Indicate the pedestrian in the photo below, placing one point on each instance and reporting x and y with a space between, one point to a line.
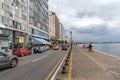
90 47
35 49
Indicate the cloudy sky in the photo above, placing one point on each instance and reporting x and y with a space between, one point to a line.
89 20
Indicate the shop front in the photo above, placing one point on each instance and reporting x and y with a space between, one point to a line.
11 39
4 40
20 39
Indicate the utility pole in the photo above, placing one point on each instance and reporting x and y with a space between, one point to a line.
71 37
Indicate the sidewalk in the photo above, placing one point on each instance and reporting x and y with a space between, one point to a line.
91 66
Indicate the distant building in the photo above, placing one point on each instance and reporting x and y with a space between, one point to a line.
62 32
54 25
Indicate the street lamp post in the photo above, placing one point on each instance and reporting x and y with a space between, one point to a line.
71 37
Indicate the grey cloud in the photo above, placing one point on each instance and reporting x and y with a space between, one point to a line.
99 33
110 11
104 11
86 13
94 30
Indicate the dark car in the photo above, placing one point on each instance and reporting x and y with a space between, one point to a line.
64 47
7 60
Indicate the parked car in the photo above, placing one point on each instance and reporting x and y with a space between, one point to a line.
21 52
47 47
64 47
41 49
85 46
7 60
55 47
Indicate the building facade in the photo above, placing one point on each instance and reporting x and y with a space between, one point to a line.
38 19
22 19
54 26
13 20
62 32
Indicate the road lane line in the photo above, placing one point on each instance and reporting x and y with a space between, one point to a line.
53 70
70 68
52 78
39 58
95 61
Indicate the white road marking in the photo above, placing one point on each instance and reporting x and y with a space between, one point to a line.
39 58
55 73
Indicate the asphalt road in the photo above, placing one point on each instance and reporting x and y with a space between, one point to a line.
33 67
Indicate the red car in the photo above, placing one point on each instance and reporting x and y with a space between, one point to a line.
64 47
21 52
85 46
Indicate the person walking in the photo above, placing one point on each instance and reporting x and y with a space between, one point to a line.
90 47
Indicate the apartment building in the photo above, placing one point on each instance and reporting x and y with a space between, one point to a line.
54 26
38 19
13 22
22 19
62 32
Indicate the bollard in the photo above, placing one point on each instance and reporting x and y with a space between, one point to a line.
64 70
68 54
68 57
66 63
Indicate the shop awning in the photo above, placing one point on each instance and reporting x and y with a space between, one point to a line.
36 41
46 42
40 41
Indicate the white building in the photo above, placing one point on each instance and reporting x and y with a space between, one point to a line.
38 19
21 19
13 20
62 32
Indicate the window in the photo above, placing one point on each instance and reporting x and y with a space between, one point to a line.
18 25
17 13
35 32
17 3
30 30
5 7
23 1
11 12
7 1
24 17
5 20
11 22
14 24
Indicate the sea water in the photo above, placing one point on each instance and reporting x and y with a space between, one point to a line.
110 48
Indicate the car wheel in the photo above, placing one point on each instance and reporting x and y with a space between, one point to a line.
22 54
13 63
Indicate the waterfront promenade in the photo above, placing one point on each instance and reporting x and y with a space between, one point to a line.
94 65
